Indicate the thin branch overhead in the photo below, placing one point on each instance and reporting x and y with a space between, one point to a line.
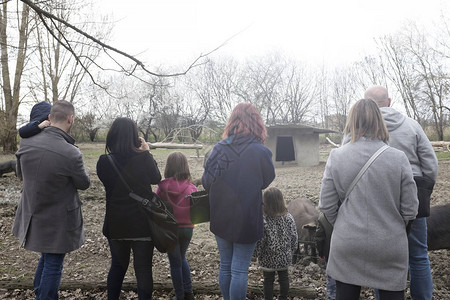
137 63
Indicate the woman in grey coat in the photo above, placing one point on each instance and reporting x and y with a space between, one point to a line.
369 245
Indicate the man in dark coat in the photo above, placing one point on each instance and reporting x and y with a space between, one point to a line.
48 217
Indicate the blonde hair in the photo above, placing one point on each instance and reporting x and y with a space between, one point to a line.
365 120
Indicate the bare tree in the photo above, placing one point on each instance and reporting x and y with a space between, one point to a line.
370 71
155 97
343 94
11 88
419 70
61 75
432 76
400 69
117 56
217 83
323 96
198 99
261 83
299 91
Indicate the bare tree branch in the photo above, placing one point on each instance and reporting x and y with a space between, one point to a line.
42 13
65 45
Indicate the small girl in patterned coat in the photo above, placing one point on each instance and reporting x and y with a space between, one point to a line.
274 250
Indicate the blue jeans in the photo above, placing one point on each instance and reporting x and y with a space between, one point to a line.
233 271
421 282
331 288
120 258
48 276
179 266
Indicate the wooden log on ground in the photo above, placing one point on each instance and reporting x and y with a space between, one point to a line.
331 142
442 144
174 146
206 288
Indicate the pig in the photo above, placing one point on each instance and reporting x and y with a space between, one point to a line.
438 224
7 167
305 216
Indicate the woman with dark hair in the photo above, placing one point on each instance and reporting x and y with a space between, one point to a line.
369 245
125 224
237 170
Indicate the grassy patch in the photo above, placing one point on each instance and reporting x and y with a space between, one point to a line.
443 155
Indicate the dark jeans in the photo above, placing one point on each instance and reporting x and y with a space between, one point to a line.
48 276
179 266
120 258
283 280
345 291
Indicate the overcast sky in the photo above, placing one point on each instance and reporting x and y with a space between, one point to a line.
329 31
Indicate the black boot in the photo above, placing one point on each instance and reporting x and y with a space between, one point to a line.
189 296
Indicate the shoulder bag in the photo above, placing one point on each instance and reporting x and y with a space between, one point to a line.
327 228
163 226
199 207
425 187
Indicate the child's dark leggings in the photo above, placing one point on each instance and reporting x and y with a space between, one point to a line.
283 280
345 291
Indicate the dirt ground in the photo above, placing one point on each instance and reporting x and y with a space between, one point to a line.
89 265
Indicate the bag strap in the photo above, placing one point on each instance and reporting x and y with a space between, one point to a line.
113 163
364 168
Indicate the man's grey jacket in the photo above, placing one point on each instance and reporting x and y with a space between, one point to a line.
48 217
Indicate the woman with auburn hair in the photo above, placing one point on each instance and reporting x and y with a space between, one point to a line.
369 245
126 226
237 170
245 120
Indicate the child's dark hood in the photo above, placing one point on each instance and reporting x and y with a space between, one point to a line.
40 112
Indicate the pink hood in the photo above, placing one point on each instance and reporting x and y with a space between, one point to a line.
175 191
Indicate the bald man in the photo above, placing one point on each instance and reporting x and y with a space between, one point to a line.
408 136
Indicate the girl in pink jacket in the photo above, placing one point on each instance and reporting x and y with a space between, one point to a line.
174 188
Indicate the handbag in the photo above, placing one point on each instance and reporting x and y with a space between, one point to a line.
163 226
199 207
425 187
323 221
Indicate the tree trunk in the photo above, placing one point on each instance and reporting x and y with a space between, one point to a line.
166 287
174 146
12 94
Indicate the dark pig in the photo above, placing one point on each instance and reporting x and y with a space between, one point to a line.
305 216
7 167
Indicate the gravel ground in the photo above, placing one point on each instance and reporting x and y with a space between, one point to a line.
90 263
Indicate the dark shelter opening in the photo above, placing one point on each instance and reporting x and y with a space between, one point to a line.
285 149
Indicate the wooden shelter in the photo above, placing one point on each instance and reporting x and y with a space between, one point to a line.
294 144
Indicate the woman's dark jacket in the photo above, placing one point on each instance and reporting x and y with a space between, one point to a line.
124 218
236 172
